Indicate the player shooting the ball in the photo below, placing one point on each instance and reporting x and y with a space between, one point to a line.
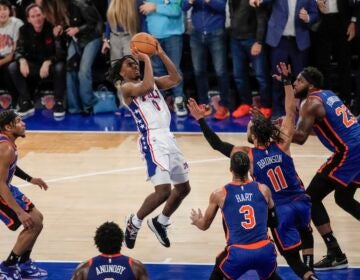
165 163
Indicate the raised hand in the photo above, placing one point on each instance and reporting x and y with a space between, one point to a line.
138 55
284 71
159 49
197 111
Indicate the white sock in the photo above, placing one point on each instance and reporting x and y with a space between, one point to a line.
136 221
162 219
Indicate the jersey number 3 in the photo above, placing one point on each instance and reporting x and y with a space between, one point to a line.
277 178
249 215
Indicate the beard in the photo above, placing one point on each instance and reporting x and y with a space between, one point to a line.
301 94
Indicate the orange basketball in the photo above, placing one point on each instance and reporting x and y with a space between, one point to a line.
144 42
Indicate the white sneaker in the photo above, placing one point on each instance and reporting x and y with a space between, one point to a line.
179 106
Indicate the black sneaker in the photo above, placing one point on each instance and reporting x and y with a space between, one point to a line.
130 233
59 110
26 108
159 230
330 262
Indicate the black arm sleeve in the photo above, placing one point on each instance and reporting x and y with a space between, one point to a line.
215 142
22 175
272 218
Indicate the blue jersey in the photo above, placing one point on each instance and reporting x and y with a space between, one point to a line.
276 169
339 129
12 166
115 267
245 213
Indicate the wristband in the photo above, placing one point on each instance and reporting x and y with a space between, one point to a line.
286 81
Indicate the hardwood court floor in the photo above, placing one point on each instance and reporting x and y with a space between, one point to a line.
98 177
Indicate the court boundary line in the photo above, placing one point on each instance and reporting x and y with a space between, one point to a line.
120 132
136 168
161 263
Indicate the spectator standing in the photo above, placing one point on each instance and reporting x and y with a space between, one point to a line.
39 54
332 40
288 36
123 21
248 29
165 21
208 34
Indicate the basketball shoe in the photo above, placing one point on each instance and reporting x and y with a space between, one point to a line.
130 233
160 231
9 272
30 270
330 262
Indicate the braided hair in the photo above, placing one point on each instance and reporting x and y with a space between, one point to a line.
108 238
115 76
265 131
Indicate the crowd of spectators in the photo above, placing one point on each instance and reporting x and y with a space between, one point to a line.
54 44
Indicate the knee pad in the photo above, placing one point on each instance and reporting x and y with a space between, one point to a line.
307 238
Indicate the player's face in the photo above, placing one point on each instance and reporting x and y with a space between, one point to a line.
130 69
301 87
19 128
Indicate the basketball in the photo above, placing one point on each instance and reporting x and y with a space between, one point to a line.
144 42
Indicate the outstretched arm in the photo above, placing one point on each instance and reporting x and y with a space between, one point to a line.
201 221
213 139
173 78
36 181
288 124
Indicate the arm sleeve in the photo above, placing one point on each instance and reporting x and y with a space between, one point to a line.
215 142
22 175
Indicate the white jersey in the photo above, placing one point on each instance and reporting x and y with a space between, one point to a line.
150 111
156 143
